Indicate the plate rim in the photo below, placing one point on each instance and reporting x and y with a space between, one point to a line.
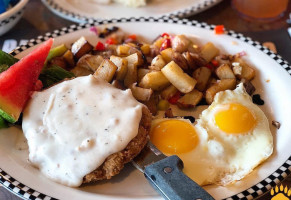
75 17
256 190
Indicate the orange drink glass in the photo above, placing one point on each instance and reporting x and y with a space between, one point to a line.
264 10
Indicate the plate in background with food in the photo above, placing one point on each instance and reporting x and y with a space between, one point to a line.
271 80
82 11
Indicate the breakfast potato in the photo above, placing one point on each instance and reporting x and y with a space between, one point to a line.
180 60
157 63
121 64
91 62
180 43
145 49
81 71
69 57
141 73
169 92
182 81
141 94
209 51
131 74
106 70
245 71
224 72
122 50
202 75
154 80
158 42
190 99
81 47
221 85
190 60
167 54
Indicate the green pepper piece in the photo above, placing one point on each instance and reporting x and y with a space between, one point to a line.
57 51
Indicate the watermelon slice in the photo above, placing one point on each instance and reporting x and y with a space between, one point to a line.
17 82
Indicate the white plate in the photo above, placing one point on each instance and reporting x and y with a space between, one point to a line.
83 10
131 184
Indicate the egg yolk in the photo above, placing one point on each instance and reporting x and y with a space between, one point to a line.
174 136
236 118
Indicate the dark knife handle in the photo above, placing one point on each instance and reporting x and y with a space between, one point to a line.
166 176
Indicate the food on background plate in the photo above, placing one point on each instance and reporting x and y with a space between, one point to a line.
172 72
129 3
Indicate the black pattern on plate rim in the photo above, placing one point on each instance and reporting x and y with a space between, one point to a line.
55 8
260 188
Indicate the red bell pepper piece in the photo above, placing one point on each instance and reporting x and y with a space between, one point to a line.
219 29
165 35
166 44
175 98
111 41
100 46
132 37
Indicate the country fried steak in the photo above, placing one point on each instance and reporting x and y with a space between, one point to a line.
115 162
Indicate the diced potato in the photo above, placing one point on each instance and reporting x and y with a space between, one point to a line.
81 47
121 64
221 85
145 48
224 72
180 43
190 60
158 43
154 80
190 99
167 54
81 71
180 60
106 70
141 94
247 72
131 74
182 81
202 75
157 63
169 92
209 51
90 62
122 50
69 57
141 73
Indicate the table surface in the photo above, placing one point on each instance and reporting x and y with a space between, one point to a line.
38 20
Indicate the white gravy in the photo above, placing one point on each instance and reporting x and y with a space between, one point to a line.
74 126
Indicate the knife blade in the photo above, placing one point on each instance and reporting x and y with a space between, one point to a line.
166 176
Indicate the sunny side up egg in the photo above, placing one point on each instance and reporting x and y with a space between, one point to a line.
231 137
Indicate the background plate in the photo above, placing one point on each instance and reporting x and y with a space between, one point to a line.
20 177
84 10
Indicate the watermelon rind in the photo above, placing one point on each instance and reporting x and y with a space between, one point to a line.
3 123
7 117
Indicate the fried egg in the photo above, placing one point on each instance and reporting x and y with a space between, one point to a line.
231 137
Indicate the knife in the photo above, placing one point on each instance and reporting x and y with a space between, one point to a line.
165 175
